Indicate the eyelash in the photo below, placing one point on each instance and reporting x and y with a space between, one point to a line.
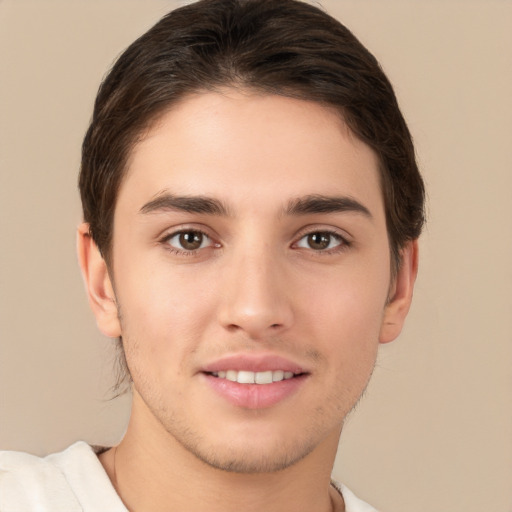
186 252
343 243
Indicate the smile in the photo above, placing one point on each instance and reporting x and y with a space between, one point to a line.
254 381
248 377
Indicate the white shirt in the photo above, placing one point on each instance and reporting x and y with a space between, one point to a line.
74 481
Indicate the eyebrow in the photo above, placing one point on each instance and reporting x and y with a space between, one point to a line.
326 204
311 204
190 204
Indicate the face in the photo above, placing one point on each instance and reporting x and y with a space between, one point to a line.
251 274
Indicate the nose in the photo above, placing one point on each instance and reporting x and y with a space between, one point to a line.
255 299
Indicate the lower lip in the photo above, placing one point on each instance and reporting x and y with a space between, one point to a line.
255 396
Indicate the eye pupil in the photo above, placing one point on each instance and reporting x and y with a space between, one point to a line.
191 240
319 241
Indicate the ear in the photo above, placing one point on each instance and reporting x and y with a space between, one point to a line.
400 296
97 283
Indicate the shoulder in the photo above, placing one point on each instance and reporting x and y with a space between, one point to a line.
352 502
59 482
27 481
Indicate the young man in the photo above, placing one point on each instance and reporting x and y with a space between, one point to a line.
251 213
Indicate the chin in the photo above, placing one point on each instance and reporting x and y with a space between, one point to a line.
257 459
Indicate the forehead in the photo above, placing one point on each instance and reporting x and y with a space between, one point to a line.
247 148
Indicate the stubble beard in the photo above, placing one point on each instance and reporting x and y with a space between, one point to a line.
284 453
242 462
250 458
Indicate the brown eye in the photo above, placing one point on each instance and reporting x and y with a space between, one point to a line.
320 241
191 240
188 240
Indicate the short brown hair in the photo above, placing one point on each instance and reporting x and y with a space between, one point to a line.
283 47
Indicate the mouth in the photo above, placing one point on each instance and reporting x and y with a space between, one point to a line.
255 381
250 377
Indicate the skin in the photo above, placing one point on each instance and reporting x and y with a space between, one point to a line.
259 284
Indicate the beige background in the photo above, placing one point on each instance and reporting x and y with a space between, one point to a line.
435 430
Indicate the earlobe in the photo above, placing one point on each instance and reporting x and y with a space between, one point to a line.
401 294
97 283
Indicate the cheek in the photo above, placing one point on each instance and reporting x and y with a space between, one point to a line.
349 302
345 319
350 340
161 295
162 315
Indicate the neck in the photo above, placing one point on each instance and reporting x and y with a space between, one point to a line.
153 472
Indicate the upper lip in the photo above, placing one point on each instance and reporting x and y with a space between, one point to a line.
253 363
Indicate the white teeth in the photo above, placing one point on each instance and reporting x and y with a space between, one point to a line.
246 377
263 377
279 375
231 375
